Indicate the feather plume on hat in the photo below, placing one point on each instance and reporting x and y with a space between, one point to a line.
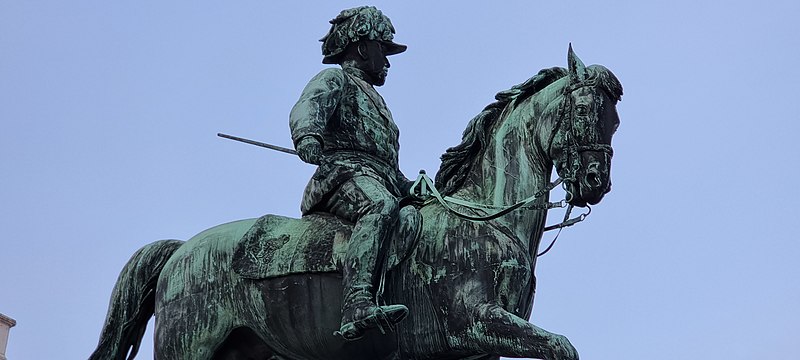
360 23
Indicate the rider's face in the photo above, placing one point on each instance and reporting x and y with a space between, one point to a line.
374 61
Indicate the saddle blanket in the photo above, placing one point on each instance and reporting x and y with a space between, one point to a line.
278 246
316 243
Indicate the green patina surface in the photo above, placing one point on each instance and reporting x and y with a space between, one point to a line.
277 288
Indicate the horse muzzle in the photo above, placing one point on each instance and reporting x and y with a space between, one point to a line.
594 185
588 186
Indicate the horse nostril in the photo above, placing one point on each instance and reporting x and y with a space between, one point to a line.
592 180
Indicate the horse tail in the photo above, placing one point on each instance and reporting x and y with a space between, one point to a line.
133 302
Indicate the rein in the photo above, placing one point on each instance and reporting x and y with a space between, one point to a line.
573 150
427 188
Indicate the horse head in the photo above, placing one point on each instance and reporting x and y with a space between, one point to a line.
580 143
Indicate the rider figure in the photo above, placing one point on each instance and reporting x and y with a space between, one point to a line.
342 124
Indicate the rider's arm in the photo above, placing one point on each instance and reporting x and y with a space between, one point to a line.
316 105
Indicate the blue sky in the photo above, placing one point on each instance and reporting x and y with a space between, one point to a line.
109 112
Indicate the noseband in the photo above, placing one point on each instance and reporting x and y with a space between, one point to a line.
572 152
425 187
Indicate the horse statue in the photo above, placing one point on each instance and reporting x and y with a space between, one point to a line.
468 283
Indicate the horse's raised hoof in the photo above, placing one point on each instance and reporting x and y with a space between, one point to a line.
370 316
563 348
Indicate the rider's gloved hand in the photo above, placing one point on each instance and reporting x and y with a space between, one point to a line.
310 150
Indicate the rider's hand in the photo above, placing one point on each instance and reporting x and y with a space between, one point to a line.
310 150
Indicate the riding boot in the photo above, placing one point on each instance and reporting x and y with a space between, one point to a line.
359 311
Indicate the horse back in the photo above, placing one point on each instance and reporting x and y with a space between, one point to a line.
202 263
277 246
295 314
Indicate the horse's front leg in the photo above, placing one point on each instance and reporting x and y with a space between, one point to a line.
499 332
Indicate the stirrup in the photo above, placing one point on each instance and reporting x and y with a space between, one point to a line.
381 317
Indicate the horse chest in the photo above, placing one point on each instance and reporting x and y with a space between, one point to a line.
474 247
474 263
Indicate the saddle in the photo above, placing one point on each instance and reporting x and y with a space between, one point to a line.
316 243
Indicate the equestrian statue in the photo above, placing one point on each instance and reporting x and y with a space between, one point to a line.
380 266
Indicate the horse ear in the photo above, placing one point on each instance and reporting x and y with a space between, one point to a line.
576 68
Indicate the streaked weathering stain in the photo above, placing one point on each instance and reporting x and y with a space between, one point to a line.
469 285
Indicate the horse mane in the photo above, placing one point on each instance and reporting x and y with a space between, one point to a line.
607 80
458 160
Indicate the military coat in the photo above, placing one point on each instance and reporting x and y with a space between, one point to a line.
359 138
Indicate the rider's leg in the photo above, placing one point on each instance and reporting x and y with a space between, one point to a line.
374 210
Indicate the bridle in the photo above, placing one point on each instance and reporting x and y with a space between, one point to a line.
572 152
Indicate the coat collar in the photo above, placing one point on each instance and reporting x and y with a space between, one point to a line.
357 76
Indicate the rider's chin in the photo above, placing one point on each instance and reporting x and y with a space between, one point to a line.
379 79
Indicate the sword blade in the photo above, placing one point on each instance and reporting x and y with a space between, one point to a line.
258 143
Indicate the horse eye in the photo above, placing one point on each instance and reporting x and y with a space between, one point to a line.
582 110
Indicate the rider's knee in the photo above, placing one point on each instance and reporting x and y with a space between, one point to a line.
386 206
409 211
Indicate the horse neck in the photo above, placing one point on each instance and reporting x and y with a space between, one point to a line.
514 166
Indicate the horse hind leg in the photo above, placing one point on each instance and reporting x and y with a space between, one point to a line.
180 336
238 344
183 345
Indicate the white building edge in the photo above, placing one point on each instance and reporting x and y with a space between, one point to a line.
6 323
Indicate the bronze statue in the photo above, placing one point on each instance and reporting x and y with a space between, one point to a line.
463 262
343 125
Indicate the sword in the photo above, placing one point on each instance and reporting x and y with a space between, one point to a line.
258 143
